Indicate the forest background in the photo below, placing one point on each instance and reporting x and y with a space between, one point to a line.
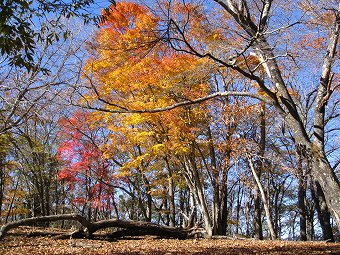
222 115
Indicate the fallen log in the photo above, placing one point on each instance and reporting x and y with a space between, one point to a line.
140 227
51 218
144 227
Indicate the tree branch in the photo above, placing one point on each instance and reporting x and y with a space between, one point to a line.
185 103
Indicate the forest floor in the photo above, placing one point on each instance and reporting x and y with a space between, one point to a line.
18 244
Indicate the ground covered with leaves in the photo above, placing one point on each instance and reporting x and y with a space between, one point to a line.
19 244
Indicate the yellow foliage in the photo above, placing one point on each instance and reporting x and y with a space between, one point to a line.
158 149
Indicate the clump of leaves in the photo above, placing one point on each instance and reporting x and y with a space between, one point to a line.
19 31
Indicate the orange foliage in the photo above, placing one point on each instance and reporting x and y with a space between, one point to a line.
131 71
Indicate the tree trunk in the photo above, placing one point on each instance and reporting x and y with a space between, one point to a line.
10 207
223 188
302 211
224 208
197 189
258 215
238 207
181 198
310 225
301 196
257 200
322 170
2 185
171 195
276 209
215 172
323 212
328 182
265 202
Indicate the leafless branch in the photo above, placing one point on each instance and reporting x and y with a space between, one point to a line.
180 104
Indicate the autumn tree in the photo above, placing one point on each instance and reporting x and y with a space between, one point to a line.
148 137
86 175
